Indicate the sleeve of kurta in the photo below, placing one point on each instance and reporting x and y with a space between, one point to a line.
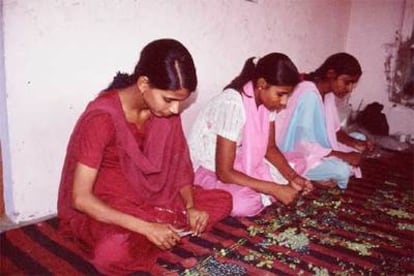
95 132
229 116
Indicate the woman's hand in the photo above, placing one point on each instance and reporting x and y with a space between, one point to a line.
162 235
301 184
362 146
198 220
284 193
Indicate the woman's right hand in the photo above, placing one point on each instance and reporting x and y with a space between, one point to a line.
284 193
163 235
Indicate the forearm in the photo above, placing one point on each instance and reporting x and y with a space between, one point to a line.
346 139
187 196
84 200
100 211
353 158
236 177
337 154
277 159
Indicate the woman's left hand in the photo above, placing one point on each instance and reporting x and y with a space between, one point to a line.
198 220
362 146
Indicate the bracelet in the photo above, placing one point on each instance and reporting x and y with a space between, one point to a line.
188 208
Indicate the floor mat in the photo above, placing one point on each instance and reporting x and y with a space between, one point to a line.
366 230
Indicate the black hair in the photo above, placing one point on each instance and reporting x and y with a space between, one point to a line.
275 68
341 63
167 64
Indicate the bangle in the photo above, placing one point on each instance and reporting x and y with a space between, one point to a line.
190 207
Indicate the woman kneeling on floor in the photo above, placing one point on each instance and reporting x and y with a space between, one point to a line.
126 192
232 142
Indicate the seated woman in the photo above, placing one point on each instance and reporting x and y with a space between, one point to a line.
232 141
309 126
126 192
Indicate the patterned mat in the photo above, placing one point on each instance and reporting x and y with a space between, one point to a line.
366 230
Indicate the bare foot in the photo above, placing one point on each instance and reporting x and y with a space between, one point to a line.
327 184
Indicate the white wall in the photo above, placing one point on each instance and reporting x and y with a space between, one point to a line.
373 24
59 54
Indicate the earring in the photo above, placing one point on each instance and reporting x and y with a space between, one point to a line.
146 80
139 90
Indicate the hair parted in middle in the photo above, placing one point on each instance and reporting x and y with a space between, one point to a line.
166 63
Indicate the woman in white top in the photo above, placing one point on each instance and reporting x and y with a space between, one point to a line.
232 142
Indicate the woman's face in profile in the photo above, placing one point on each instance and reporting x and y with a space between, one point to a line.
165 103
275 97
344 84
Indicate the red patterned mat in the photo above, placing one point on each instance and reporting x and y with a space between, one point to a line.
366 230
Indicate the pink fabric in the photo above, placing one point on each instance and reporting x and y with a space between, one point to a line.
138 173
246 202
333 125
250 159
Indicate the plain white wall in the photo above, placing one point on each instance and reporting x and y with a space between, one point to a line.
59 54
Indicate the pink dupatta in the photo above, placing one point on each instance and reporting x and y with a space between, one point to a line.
250 157
333 124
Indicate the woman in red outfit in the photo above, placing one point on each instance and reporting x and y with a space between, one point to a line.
126 192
